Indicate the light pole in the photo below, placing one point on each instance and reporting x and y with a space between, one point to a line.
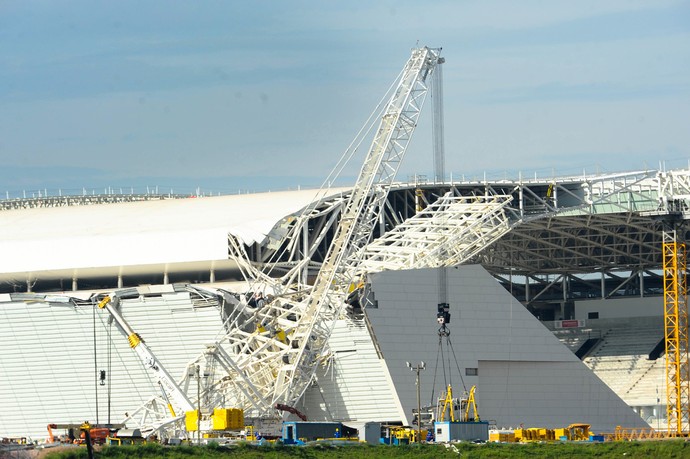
417 368
198 405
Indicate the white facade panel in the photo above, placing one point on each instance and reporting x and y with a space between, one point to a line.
48 372
356 387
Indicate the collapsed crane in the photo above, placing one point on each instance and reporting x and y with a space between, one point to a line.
274 345
276 335
275 342
271 354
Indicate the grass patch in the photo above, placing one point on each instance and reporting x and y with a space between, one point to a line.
645 449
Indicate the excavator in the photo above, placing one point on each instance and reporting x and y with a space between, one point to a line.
76 433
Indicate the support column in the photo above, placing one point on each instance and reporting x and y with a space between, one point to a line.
305 252
75 284
641 274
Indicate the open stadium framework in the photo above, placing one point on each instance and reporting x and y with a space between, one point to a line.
526 253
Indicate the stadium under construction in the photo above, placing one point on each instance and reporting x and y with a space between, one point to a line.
562 300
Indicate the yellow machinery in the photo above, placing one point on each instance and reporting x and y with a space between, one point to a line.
676 335
447 406
222 419
404 435
633 434
504 436
574 432
471 404
468 405
535 434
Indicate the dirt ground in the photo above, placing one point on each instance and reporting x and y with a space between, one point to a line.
31 453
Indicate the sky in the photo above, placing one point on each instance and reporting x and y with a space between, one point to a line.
236 96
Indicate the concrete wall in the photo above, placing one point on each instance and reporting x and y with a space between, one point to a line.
517 358
621 307
520 392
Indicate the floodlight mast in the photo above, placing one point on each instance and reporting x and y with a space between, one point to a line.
417 368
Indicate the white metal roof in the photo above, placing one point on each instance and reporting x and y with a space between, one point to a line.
97 238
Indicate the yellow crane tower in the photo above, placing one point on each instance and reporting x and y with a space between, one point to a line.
676 335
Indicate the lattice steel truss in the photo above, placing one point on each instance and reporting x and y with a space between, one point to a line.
676 335
272 348
448 232
569 237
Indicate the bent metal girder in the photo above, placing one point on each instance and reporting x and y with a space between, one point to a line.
448 232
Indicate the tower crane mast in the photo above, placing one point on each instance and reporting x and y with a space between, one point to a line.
676 334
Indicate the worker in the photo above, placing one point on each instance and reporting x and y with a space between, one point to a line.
260 302
337 433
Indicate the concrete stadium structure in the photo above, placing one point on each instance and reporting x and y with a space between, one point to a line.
520 251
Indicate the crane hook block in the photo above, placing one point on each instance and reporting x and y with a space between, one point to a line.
443 314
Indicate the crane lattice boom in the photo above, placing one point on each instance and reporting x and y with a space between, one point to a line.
275 362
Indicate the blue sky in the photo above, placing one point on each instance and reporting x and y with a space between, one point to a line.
232 95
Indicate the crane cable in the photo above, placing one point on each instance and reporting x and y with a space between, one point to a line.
444 331
344 160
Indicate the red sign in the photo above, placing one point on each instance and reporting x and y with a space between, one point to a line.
569 323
